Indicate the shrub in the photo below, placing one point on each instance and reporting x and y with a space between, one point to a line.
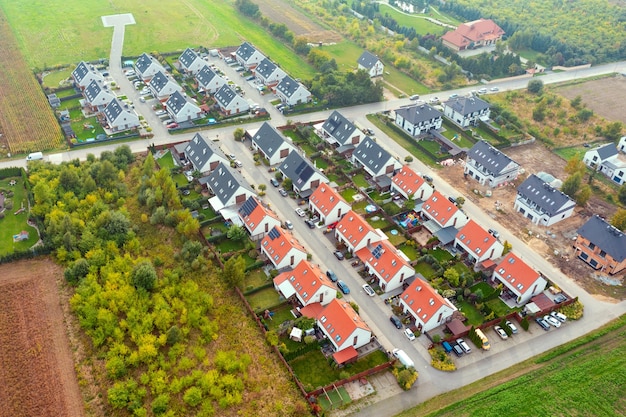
573 311
193 396
525 323
440 360
405 377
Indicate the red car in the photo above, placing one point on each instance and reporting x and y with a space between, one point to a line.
172 126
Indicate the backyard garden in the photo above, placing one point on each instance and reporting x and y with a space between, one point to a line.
15 232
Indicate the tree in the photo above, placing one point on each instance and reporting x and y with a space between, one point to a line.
535 86
236 232
452 275
288 184
144 276
583 195
234 271
619 220
262 187
248 8
239 133
460 201
572 184
575 165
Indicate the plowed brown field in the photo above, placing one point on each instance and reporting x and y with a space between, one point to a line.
37 376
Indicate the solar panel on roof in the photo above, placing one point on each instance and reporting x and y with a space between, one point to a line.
248 207
378 251
274 234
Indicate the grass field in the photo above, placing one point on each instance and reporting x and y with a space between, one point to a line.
585 377
13 224
49 34
417 22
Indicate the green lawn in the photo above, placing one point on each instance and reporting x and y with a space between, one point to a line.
378 223
360 206
418 21
281 314
346 53
485 288
334 399
229 245
499 307
166 161
473 316
313 370
360 181
396 240
410 251
425 269
348 193
461 268
441 255
403 82
266 298
13 224
255 279
50 34
320 163
572 152
53 79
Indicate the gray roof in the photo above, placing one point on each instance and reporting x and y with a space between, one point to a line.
245 51
265 68
176 102
225 182
418 113
297 168
188 57
199 151
368 60
83 69
206 75
339 127
144 62
113 110
93 90
547 198
248 207
288 86
467 105
605 236
268 139
159 81
606 151
493 160
225 95
371 154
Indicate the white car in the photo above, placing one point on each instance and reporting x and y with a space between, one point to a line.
494 89
501 332
434 100
288 225
409 334
300 212
369 290
463 345
559 316
512 327
553 322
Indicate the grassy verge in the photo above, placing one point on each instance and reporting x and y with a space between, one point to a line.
594 364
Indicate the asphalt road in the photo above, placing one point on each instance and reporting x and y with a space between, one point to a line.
431 382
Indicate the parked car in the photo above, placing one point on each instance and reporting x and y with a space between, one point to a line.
343 287
331 275
369 290
446 347
396 322
464 345
238 163
283 192
482 91
458 350
288 225
501 332
409 334
434 100
143 100
552 321
160 112
274 182
559 316
310 223
544 324
427 178
454 95
186 192
512 327
338 254
494 233
173 125
494 89
300 212
414 97
560 298
231 156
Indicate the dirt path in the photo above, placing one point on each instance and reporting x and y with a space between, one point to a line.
37 374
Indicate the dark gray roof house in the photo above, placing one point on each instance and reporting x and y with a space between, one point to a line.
119 116
304 176
368 59
418 119
467 105
248 56
181 109
607 151
604 236
147 66
229 187
163 86
268 72
97 95
271 143
489 165
337 129
292 92
85 73
209 80
190 61
542 203
204 155
229 101
374 159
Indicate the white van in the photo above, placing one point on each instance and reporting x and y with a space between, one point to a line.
35 156
403 358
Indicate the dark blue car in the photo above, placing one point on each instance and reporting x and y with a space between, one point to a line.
343 287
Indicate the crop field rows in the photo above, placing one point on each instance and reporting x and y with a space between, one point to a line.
27 122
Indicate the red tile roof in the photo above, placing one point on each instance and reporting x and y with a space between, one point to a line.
305 278
474 237
326 198
354 228
258 214
476 31
345 355
407 180
279 243
340 320
516 272
423 299
387 264
439 208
